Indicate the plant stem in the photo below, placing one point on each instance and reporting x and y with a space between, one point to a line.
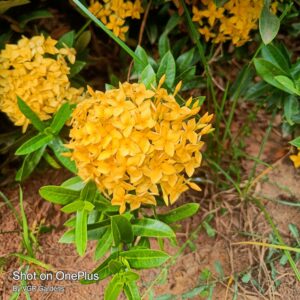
106 30
195 37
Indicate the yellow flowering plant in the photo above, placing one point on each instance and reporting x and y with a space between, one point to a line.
134 148
35 88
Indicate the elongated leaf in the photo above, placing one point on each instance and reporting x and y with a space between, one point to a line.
104 243
81 231
288 83
121 230
172 23
148 77
276 55
74 183
61 118
25 235
291 107
34 144
163 45
73 206
83 41
58 148
296 142
167 66
184 61
142 62
31 115
33 261
58 194
89 191
145 258
114 288
34 15
131 291
29 163
5 5
269 25
152 228
180 213
103 270
51 161
66 40
268 71
76 68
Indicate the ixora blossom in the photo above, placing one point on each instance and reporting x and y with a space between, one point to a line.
233 21
296 159
136 143
113 13
37 71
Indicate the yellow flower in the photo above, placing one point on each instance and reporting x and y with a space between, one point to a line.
129 141
114 12
296 159
234 21
27 71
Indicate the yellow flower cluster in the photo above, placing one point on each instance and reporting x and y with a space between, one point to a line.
35 70
233 21
136 143
296 159
113 13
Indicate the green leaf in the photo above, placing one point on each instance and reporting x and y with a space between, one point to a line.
31 115
61 118
268 71
180 213
73 206
103 245
142 62
152 228
132 291
148 77
50 160
167 66
114 288
89 191
34 15
288 83
296 142
29 163
66 40
81 231
144 242
83 41
276 55
184 61
58 194
130 276
103 270
58 148
76 67
172 23
68 237
145 258
269 25
294 231
291 107
163 45
32 260
34 144
5 5
74 183
121 230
